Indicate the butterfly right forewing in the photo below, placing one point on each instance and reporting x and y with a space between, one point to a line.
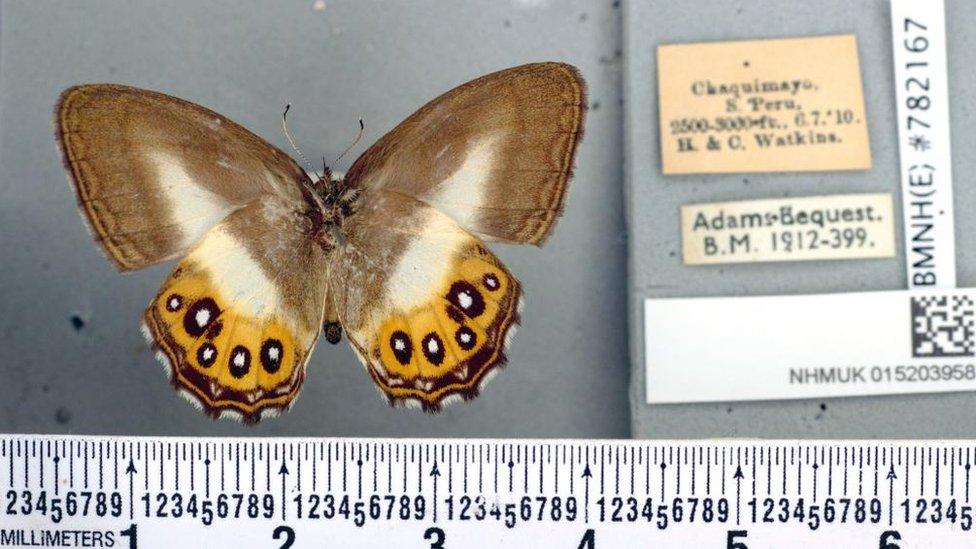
495 154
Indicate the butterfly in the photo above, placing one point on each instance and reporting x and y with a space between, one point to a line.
393 253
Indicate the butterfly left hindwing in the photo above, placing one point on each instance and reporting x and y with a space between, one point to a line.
238 317
427 307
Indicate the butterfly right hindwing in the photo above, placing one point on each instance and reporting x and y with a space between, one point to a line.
426 306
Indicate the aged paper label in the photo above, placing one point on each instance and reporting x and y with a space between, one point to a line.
762 106
846 226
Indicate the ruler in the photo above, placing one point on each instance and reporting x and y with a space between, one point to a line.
281 493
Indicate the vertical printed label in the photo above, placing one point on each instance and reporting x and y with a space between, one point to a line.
921 92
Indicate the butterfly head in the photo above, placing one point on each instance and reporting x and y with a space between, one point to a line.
330 202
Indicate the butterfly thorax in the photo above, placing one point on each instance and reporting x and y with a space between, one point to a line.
330 201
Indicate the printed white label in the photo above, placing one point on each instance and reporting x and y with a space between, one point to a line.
805 346
844 226
921 92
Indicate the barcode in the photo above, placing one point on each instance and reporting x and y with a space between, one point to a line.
942 326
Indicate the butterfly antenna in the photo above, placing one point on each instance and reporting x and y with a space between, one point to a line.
362 128
291 140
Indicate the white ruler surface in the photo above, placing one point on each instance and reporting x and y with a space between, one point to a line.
280 493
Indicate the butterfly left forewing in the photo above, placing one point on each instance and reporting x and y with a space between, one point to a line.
426 306
238 317
152 172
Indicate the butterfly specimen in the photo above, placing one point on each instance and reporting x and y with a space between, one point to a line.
393 253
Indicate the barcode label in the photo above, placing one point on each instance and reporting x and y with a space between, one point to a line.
809 346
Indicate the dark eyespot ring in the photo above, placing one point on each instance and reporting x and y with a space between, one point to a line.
239 361
401 346
466 297
272 352
206 355
199 316
174 303
433 348
491 281
466 338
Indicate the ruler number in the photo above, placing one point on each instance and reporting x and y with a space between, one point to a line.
733 537
588 541
888 540
132 533
438 537
286 531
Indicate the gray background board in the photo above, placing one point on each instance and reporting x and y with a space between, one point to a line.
71 355
653 200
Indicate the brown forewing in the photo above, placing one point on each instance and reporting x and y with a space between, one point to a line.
534 114
111 138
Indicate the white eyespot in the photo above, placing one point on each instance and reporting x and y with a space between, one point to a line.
202 317
239 360
208 353
274 353
432 346
465 300
465 337
399 345
174 303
